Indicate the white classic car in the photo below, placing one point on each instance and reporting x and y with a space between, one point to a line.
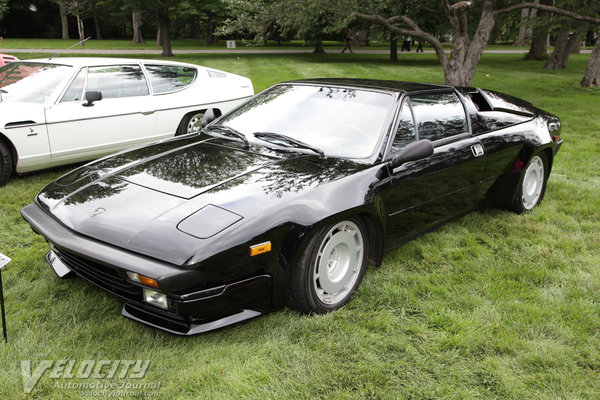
68 110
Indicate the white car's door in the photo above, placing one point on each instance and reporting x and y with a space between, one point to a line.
123 118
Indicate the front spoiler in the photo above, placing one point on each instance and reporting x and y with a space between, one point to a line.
145 316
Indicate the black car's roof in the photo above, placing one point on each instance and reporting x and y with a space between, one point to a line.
395 86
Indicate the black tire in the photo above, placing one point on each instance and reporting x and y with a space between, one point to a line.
190 123
330 270
532 184
6 164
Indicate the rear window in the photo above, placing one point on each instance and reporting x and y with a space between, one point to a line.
496 111
168 78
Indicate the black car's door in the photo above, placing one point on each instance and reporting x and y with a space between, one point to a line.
427 192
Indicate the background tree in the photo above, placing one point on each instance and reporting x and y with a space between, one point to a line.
525 28
569 33
468 44
310 20
80 9
64 20
136 23
3 8
160 9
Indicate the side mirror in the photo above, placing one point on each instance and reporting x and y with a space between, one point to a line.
413 151
91 97
208 117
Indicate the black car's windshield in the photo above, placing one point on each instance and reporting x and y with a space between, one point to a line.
31 82
342 122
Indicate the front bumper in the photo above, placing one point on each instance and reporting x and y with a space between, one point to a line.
194 306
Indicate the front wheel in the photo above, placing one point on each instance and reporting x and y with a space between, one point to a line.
6 164
330 268
532 185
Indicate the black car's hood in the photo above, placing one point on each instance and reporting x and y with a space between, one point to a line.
138 199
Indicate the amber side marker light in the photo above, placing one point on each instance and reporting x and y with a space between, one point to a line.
260 249
144 280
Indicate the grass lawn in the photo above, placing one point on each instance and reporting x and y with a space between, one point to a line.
195 44
493 305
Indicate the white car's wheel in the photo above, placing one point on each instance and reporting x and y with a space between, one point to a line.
191 123
532 185
331 267
6 164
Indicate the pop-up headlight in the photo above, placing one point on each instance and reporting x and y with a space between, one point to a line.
208 221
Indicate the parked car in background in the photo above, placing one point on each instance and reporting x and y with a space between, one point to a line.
287 198
7 59
68 110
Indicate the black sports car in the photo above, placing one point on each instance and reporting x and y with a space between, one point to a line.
286 199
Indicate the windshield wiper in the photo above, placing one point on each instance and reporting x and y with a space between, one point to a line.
224 130
281 140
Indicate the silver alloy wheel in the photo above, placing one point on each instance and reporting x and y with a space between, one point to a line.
338 263
533 183
195 123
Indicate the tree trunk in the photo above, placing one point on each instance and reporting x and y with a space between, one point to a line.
158 36
466 52
575 43
525 30
538 49
97 26
136 20
523 39
592 70
319 46
560 55
80 30
165 39
393 48
64 21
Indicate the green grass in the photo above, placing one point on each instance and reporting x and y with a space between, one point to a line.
493 305
195 44
179 44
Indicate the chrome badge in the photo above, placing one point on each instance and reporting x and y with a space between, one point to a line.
98 211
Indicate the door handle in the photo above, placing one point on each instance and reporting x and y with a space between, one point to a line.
150 112
477 150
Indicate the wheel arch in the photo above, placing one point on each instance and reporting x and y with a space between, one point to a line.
183 120
11 147
505 189
296 243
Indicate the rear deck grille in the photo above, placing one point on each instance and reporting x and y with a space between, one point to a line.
105 277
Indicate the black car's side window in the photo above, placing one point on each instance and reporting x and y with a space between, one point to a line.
405 133
438 115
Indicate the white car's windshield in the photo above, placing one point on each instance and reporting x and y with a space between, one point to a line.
31 82
342 122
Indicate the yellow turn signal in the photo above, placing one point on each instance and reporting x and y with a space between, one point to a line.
144 280
260 249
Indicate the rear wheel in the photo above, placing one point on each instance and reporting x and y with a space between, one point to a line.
191 123
532 185
330 268
6 164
